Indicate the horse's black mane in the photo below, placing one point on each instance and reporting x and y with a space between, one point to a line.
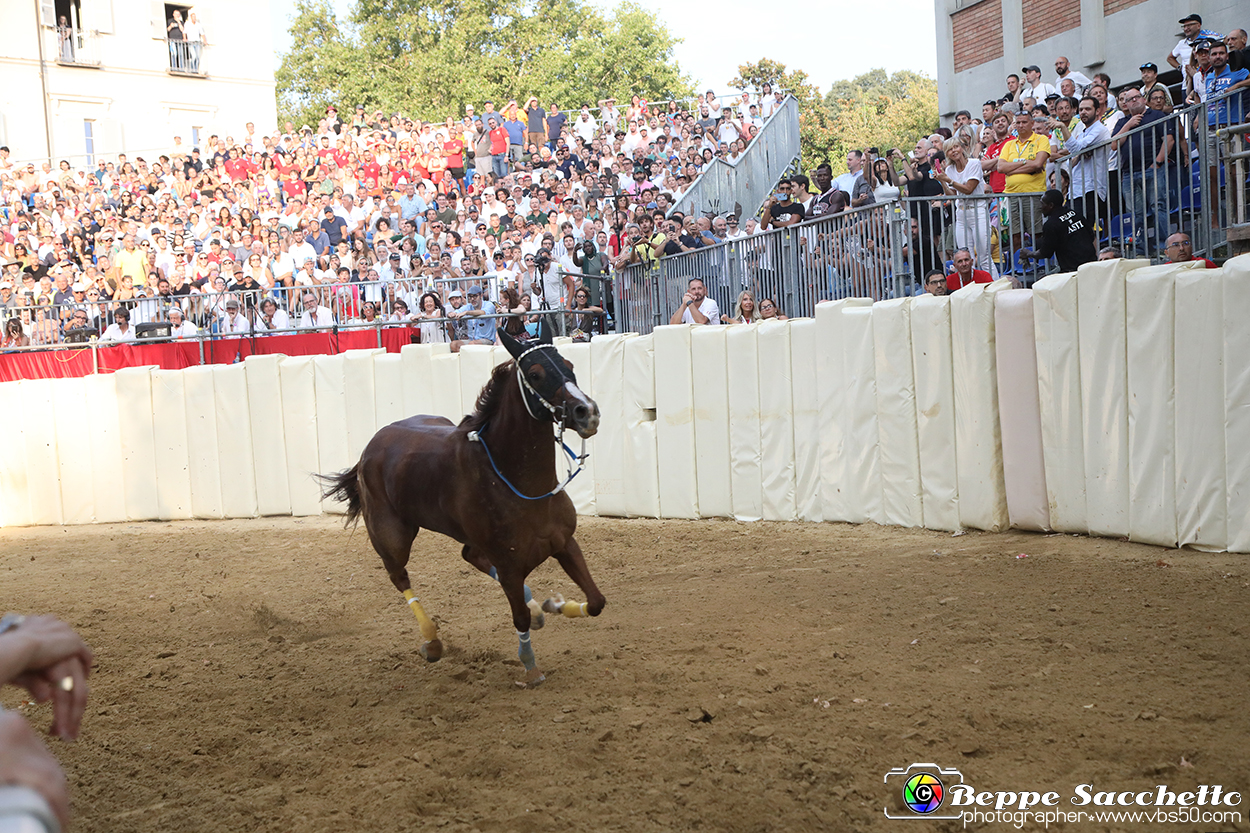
491 397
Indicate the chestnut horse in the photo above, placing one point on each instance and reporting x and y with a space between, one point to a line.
489 482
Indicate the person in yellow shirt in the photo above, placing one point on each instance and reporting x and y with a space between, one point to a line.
132 261
1023 162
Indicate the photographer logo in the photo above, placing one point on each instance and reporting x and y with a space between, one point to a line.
923 793
923 789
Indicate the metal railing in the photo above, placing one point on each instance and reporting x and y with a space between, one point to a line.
73 46
1185 173
394 303
186 57
749 180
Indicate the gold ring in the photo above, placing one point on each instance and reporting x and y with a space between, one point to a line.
67 684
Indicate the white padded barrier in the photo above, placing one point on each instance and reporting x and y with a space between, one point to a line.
607 360
134 408
710 367
476 363
777 474
1019 410
73 446
14 494
978 443
388 389
358 390
200 403
39 434
1236 280
173 446
419 376
898 443
266 419
642 488
104 432
746 467
674 423
933 364
1201 477
445 380
1059 393
1150 309
833 417
234 442
805 399
582 488
331 452
863 460
1104 393
297 376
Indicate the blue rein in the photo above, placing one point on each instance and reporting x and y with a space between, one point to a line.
476 436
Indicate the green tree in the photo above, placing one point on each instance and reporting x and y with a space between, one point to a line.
816 135
875 109
429 58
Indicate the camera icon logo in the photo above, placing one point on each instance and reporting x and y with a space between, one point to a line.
923 789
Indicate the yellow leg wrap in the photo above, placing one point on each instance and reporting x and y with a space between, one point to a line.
429 630
574 610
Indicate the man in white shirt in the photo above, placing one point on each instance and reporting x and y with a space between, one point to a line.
272 317
1034 87
120 329
585 126
179 327
730 128
314 315
1063 67
234 322
696 307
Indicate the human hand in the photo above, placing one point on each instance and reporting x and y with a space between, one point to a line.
26 762
687 299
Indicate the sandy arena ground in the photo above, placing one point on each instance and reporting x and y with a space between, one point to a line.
263 676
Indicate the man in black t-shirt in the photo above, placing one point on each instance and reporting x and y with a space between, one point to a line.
780 211
1064 234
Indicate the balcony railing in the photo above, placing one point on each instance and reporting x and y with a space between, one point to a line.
74 47
186 57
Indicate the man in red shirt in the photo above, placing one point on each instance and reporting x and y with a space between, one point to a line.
1181 250
1002 132
498 148
453 152
964 274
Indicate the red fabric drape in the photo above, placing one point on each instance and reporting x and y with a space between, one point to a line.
175 355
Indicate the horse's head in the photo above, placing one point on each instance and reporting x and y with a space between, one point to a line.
548 383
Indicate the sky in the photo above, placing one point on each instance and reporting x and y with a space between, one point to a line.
830 40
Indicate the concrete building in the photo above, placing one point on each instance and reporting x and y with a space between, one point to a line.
980 42
87 77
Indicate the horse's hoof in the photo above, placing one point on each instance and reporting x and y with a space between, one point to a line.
432 650
553 604
537 618
533 679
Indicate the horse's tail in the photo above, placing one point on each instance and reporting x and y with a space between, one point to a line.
344 486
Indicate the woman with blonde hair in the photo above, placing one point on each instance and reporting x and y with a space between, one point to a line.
962 176
746 311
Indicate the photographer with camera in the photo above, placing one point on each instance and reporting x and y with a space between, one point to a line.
642 243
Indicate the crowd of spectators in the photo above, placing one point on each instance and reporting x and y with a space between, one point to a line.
382 218
370 217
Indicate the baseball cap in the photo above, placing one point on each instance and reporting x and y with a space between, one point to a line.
1150 66
394 256
1203 45
475 290
1191 18
1031 68
990 103
231 303
455 293
80 287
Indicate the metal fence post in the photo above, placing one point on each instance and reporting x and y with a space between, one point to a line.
899 226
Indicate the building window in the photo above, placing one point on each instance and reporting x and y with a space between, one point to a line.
88 129
195 137
184 53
